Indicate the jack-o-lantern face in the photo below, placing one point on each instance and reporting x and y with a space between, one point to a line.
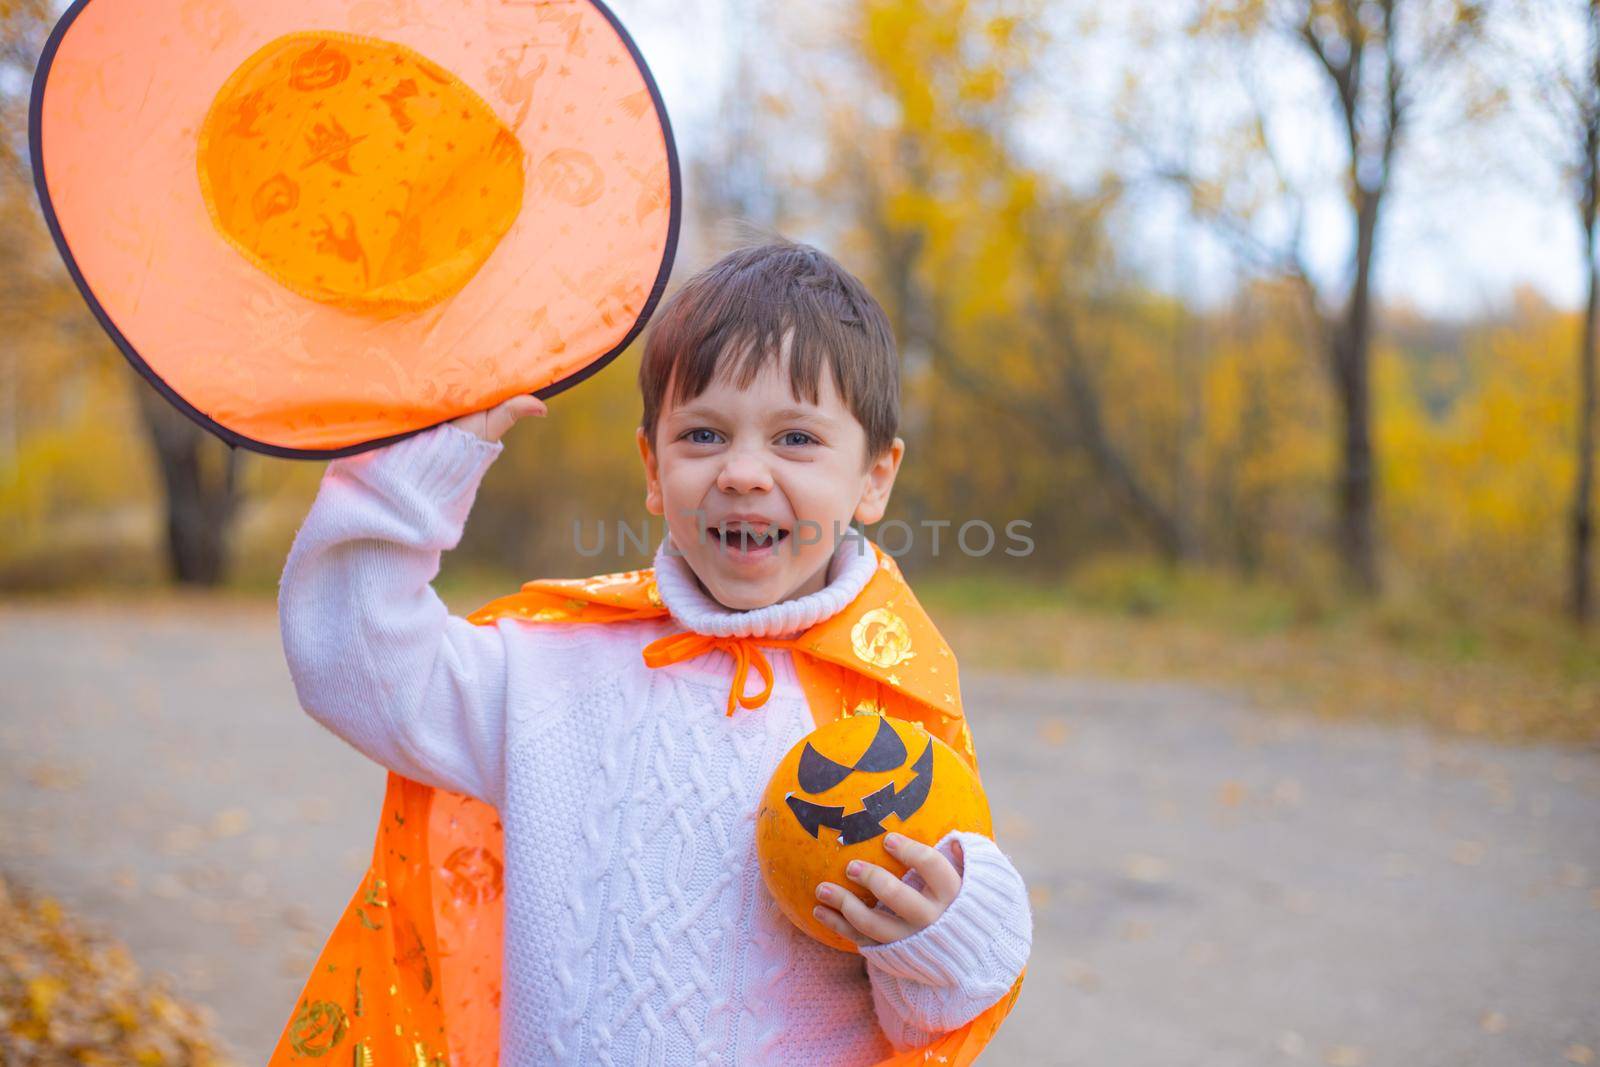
818 774
836 794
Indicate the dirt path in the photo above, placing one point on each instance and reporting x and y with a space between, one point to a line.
1213 885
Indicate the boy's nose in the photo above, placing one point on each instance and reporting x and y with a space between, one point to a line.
744 473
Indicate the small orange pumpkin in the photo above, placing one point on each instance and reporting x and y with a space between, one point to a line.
840 790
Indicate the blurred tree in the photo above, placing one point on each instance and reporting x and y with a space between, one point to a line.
56 353
200 475
31 291
1000 282
1549 53
1267 449
737 174
1377 58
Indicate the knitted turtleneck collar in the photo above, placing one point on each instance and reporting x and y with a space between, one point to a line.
849 570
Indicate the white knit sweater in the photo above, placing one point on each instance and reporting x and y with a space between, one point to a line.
637 929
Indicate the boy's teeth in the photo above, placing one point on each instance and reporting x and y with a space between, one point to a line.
741 534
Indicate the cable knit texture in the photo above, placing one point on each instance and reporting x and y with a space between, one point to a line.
637 928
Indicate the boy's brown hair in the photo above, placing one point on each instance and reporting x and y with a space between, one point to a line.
742 305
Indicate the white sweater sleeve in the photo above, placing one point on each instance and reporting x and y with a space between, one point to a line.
374 654
946 974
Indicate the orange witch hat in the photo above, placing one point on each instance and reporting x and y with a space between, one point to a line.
320 225
411 973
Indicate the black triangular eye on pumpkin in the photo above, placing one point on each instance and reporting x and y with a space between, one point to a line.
818 774
885 753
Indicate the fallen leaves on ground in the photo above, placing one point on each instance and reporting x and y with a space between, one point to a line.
71 996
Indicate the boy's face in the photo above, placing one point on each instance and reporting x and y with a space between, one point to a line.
792 468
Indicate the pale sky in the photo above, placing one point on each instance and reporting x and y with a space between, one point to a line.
1453 246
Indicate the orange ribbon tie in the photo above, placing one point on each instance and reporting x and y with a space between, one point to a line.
686 644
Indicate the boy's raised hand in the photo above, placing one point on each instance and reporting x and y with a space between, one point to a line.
909 910
492 423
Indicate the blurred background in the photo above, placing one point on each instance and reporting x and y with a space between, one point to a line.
1267 309
1273 319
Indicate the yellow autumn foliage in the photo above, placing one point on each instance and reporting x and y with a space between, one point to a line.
70 995
996 275
1481 493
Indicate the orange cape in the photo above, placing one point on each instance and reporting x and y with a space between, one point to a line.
411 974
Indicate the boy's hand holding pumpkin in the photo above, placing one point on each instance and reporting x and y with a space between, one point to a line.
909 910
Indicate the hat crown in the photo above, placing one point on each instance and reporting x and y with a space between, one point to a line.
357 172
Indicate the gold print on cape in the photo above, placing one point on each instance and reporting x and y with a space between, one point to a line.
411 954
370 900
474 875
318 1028
881 638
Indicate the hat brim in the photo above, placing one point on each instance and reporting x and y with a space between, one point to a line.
122 89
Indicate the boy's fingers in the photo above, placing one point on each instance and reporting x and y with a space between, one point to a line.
507 412
878 925
938 874
526 405
492 423
896 895
504 415
836 922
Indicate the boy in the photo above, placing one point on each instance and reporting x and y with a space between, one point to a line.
637 929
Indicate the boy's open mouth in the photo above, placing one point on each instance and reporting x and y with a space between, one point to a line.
745 538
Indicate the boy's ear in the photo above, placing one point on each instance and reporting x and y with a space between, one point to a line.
652 476
879 483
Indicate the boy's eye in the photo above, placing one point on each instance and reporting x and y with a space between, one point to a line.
701 435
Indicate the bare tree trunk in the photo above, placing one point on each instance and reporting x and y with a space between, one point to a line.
1346 39
1580 593
1352 362
199 475
1247 516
